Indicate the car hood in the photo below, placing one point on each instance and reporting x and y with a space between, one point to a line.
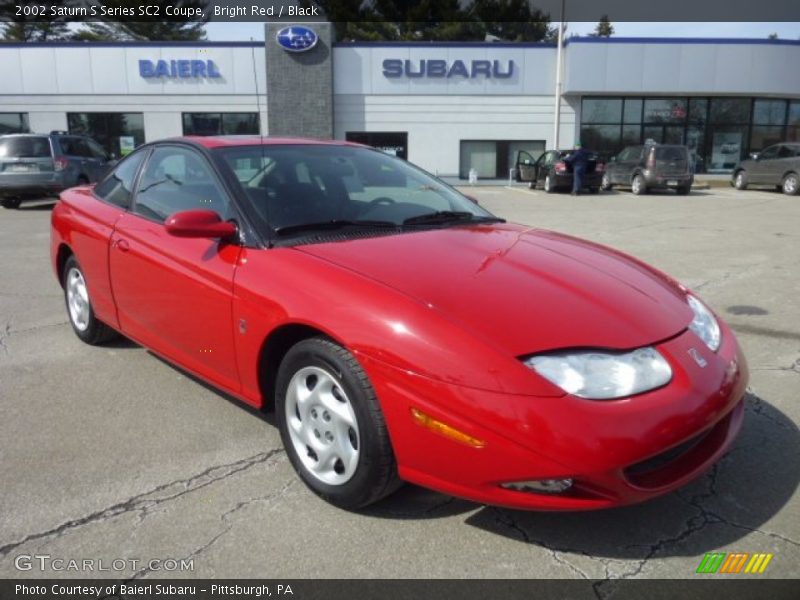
524 290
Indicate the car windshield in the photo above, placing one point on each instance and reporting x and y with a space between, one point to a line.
301 189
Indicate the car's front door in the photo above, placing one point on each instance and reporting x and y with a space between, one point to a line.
173 294
762 171
526 166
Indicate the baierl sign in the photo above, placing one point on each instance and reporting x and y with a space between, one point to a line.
395 68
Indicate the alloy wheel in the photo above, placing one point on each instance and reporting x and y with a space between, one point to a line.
78 299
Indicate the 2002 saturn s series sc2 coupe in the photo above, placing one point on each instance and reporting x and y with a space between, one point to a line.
399 330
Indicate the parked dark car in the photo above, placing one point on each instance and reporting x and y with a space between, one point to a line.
36 165
553 172
650 166
777 166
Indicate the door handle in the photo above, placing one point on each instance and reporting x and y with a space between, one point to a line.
123 245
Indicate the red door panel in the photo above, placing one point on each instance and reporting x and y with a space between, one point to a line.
85 225
174 295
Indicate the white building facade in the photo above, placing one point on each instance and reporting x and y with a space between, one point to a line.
447 107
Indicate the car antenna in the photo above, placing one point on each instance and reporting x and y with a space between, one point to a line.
261 139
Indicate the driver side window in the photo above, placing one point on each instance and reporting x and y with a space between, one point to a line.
177 179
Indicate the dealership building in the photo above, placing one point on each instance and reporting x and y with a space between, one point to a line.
449 107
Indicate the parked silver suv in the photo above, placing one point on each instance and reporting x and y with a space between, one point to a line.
651 166
35 165
777 166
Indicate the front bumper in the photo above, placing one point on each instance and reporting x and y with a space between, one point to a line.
616 452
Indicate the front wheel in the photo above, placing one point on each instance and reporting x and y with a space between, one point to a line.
740 181
332 426
10 202
791 184
79 306
606 183
638 186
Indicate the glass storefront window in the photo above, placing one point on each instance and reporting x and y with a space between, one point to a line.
631 134
108 128
604 139
769 112
727 148
665 110
794 113
220 124
698 110
14 123
730 110
633 111
761 137
601 110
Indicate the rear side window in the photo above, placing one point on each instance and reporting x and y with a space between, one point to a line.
117 188
670 153
25 147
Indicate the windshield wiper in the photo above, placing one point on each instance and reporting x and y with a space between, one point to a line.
334 224
450 216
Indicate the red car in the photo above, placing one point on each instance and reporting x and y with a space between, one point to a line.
399 330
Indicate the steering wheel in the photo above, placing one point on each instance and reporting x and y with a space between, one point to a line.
382 200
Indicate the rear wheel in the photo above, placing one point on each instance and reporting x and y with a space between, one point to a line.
11 202
740 181
683 190
548 185
332 426
638 186
791 184
79 307
594 190
606 183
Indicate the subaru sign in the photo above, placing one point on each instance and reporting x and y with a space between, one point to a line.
490 69
297 38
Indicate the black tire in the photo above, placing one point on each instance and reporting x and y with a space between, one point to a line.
532 184
638 186
547 186
11 202
594 190
683 190
94 331
791 184
375 472
606 183
740 180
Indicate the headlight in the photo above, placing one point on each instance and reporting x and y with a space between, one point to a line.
603 375
704 324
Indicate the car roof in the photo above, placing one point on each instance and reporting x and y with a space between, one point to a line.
222 141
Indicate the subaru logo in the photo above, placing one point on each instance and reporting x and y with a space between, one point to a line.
297 38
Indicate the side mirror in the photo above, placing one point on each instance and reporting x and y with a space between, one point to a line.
199 224
472 199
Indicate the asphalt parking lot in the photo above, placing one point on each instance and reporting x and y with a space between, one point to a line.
110 453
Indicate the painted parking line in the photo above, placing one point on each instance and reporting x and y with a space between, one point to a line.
527 191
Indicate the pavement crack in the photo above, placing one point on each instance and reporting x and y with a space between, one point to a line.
4 335
145 501
506 518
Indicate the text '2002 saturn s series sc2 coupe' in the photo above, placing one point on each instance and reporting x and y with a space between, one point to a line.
400 331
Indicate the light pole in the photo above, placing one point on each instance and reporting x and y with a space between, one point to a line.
557 123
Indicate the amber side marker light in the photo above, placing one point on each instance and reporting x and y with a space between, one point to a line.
443 429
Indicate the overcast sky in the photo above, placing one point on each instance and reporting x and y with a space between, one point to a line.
790 31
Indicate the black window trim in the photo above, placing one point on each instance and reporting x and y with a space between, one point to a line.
145 149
